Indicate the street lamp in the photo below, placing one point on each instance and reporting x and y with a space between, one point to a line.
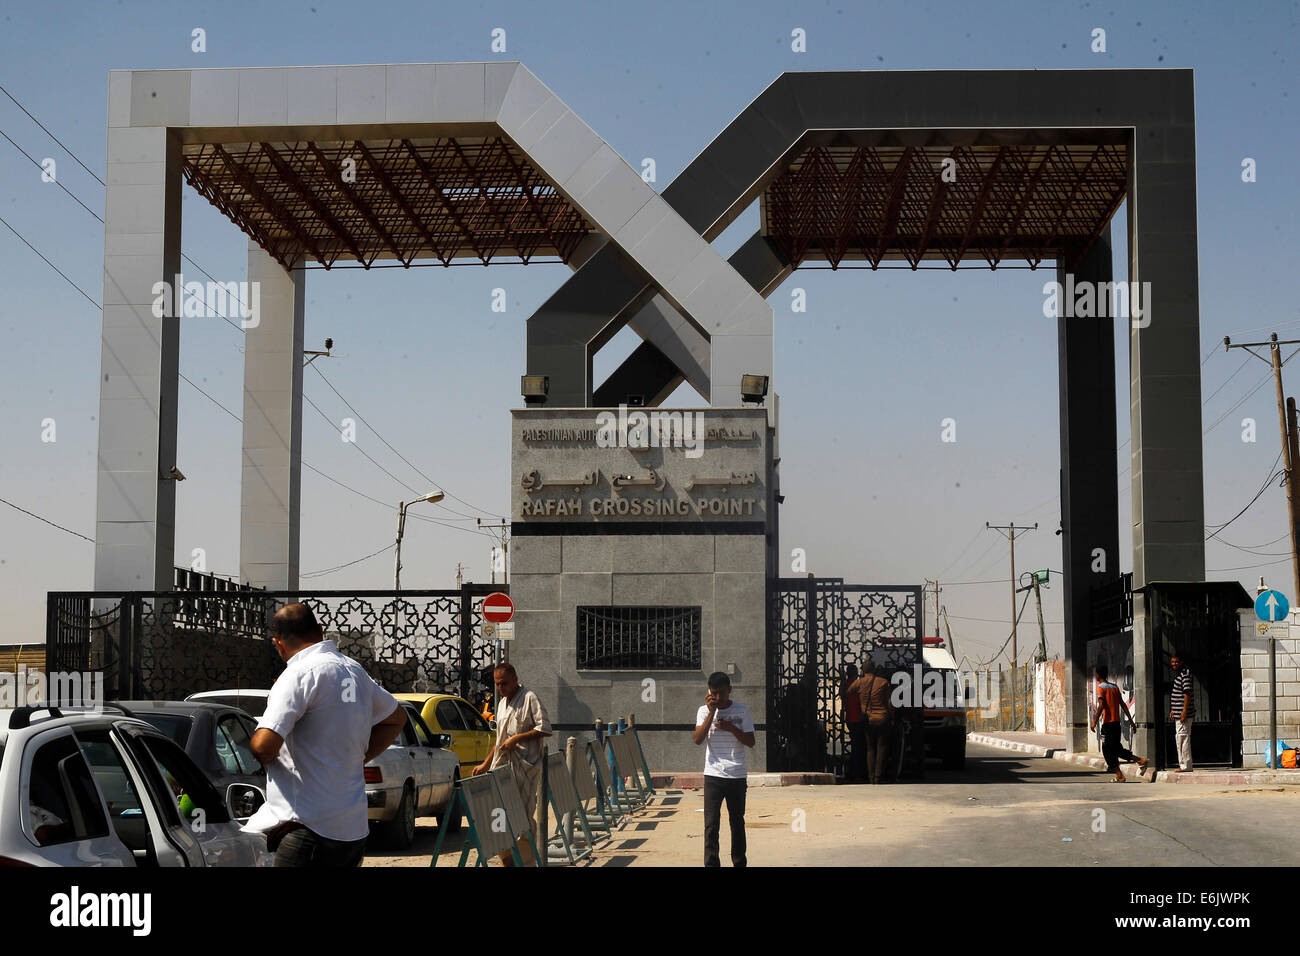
401 527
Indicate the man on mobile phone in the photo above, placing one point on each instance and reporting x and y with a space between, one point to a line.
728 729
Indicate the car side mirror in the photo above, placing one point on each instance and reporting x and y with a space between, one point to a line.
442 740
243 800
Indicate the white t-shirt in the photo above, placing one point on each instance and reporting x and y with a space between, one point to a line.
324 706
724 755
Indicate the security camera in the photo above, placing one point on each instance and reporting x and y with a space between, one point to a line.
175 474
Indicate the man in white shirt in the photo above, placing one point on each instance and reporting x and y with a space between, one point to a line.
522 726
729 729
324 719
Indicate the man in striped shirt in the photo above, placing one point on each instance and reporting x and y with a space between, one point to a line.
1182 708
1110 707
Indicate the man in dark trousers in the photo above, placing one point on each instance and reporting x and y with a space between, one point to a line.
857 729
1110 707
729 729
873 691
324 719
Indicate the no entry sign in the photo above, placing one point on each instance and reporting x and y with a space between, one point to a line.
498 608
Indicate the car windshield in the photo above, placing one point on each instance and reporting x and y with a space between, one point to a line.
175 726
253 706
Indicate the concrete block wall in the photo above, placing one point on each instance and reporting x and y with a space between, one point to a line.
552 575
1255 692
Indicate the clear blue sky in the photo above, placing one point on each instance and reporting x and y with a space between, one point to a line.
865 376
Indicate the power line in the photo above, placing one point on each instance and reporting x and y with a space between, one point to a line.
49 263
1009 636
46 520
1243 547
1248 567
1264 487
973 539
237 418
52 136
355 445
1218 421
224 318
55 180
316 574
375 432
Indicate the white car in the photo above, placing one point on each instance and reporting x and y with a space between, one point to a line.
251 702
415 777
106 789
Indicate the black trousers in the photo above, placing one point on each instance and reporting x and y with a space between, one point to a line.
307 848
1112 748
857 751
880 736
716 790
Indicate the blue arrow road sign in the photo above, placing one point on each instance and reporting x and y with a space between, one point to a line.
1272 606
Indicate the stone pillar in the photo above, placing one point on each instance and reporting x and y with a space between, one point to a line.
1165 384
270 495
1089 497
135 531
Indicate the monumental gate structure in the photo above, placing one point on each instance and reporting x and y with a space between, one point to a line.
640 566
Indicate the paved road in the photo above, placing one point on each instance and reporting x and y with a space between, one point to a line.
1005 809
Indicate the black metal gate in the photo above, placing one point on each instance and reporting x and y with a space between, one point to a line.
1199 621
162 645
815 627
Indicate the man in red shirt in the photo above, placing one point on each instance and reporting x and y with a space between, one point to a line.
1110 706
853 717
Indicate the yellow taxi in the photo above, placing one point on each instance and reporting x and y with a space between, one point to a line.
471 737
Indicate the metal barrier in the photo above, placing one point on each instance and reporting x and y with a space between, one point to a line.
564 801
597 795
645 764
627 770
585 785
516 815
488 832
619 805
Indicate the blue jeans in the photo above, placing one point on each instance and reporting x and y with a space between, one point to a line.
305 848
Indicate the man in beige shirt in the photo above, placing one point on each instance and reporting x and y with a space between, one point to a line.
522 725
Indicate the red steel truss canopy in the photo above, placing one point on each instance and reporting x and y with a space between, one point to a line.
1008 195
444 198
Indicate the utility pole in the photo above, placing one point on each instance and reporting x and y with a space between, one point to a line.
928 582
1288 460
1009 532
1037 578
947 626
1042 631
1287 420
505 549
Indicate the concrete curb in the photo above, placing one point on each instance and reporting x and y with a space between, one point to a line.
695 780
1216 778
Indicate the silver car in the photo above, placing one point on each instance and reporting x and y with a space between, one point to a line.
107 789
415 777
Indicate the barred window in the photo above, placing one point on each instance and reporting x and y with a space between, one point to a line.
638 638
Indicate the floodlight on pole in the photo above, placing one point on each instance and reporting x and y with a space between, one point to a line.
433 496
